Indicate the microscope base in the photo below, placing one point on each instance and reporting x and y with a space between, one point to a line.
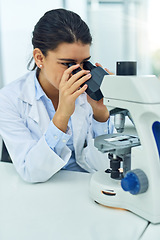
108 192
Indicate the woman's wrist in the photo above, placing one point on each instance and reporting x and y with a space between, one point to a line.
60 121
101 115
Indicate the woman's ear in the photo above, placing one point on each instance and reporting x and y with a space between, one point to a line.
38 57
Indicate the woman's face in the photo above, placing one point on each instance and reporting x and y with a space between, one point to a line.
54 64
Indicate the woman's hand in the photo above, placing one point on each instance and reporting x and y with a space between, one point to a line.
100 111
69 91
99 65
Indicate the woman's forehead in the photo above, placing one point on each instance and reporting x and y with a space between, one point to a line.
71 52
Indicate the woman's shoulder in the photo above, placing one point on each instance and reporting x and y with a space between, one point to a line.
16 86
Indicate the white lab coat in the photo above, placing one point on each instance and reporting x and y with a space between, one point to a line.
23 123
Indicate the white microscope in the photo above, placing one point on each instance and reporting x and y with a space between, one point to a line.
133 180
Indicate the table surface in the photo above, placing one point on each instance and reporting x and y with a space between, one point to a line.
61 209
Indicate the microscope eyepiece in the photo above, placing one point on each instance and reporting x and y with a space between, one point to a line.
94 83
88 66
76 70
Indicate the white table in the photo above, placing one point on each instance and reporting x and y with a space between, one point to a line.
152 232
60 209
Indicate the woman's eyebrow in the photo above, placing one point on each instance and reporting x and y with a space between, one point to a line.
86 59
73 60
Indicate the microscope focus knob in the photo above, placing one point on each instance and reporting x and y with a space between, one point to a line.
135 182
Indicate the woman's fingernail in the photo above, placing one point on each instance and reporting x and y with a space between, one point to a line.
88 75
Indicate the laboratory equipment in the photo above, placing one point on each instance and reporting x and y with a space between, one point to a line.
94 83
133 180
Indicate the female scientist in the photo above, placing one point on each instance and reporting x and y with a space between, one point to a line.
47 121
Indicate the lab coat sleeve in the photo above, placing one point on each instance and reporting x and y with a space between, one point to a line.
100 128
33 159
87 155
56 139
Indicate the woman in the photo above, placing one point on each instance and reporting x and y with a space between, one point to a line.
47 121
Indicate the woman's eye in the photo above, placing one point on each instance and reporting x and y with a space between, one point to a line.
82 64
69 64
65 64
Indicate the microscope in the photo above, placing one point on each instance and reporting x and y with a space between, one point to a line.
133 180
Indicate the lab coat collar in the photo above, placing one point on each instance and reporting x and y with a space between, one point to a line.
28 91
37 112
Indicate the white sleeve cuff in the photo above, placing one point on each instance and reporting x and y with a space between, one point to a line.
55 137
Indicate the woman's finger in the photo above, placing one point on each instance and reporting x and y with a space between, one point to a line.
98 65
76 77
110 73
67 73
81 90
106 69
76 85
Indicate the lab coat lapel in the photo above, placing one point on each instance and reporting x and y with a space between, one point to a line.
37 111
39 114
